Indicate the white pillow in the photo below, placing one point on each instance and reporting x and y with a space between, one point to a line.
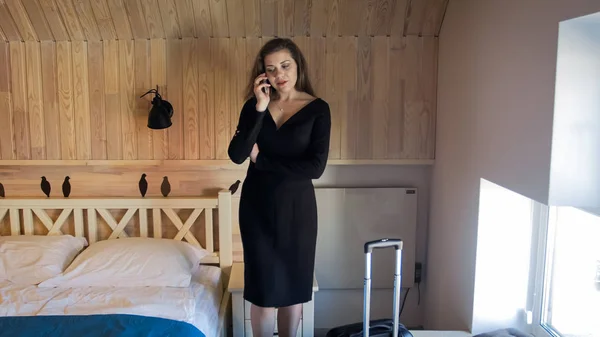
132 262
31 259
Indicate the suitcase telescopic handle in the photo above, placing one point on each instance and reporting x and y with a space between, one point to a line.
369 246
383 243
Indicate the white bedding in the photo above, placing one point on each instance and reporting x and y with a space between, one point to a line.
197 304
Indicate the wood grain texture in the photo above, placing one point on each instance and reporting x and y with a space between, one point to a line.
237 81
399 10
333 79
19 15
381 17
366 114
381 94
423 18
65 100
153 19
71 19
317 64
348 97
7 24
127 99
99 20
87 19
319 17
4 67
174 95
139 29
145 146
353 17
120 19
284 17
206 107
190 53
50 102
202 18
170 21
301 21
53 16
7 141
220 61
419 122
186 22
395 122
122 181
252 18
20 115
80 100
35 15
103 18
236 18
34 100
97 99
158 73
268 17
219 18
114 149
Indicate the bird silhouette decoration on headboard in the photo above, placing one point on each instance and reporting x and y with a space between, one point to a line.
2 193
234 187
66 187
45 185
143 185
165 187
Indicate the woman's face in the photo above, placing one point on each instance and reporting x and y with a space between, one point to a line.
281 70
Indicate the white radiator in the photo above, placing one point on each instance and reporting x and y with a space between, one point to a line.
348 217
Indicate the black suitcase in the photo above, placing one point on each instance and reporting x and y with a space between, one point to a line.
380 327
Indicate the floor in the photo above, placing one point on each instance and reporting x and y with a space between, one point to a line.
415 333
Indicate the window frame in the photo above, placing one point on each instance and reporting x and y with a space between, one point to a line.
542 221
544 225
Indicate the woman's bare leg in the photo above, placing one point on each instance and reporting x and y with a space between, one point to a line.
288 319
263 321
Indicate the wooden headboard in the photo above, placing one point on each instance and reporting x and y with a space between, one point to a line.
95 219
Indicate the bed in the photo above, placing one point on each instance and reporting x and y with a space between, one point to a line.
135 276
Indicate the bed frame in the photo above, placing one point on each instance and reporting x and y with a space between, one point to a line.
71 220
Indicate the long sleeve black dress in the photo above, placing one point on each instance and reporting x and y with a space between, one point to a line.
278 210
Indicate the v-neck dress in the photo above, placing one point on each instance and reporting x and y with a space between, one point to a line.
278 209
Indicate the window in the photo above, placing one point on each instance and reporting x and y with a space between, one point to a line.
566 280
502 261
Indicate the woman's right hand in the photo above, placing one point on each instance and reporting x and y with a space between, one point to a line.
262 98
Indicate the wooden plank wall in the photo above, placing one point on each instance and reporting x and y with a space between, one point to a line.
79 100
72 71
94 20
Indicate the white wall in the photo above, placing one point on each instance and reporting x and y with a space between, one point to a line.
497 61
338 307
575 166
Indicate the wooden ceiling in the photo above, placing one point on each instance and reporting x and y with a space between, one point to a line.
93 20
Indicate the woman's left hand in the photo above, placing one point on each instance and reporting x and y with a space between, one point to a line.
254 153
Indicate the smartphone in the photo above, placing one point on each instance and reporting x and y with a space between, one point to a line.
266 89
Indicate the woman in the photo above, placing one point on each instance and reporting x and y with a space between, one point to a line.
284 129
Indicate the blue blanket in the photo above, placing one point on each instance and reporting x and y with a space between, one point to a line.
113 325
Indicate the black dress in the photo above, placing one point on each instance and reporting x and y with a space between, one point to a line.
278 209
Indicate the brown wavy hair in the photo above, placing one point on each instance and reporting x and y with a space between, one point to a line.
275 45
